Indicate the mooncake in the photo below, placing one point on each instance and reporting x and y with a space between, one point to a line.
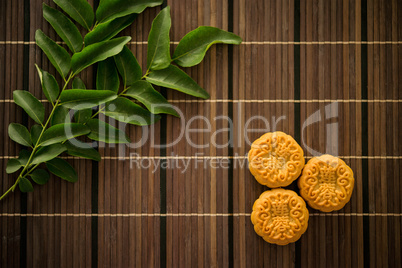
280 216
275 159
326 183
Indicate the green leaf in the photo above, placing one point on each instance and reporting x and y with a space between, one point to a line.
101 131
19 134
57 55
62 132
82 150
23 157
40 176
80 99
78 83
111 9
192 47
124 110
62 169
107 77
63 27
108 30
49 85
48 152
25 185
30 104
173 77
80 10
158 56
35 132
13 165
128 66
152 99
82 116
97 52
61 116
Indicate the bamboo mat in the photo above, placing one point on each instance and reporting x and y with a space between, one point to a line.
337 60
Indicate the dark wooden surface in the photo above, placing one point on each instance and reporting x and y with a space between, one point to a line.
297 58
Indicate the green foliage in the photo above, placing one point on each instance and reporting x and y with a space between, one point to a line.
60 116
78 83
13 165
82 150
25 185
23 157
82 116
158 56
152 99
173 77
64 28
192 48
40 176
107 77
108 30
80 10
47 153
49 85
97 52
111 9
129 69
61 168
79 99
63 132
126 111
57 133
30 104
57 55
101 131
36 130
19 134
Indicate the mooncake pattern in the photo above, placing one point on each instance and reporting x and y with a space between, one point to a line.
280 216
275 159
326 183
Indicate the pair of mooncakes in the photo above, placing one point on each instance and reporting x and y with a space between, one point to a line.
280 216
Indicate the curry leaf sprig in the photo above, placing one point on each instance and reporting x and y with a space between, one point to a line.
120 84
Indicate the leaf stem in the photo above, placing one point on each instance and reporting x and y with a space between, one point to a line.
32 169
37 145
9 190
146 74
123 91
94 27
97 112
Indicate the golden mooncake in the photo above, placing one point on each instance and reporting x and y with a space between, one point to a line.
326 183
275 159
280 216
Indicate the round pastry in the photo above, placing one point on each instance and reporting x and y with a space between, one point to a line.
275 159
326 183
280 216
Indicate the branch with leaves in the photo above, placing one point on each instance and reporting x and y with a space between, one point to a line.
119 82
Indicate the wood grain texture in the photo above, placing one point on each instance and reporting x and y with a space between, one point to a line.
297 57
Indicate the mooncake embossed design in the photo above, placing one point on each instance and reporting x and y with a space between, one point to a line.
326 183
275 159
280 216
